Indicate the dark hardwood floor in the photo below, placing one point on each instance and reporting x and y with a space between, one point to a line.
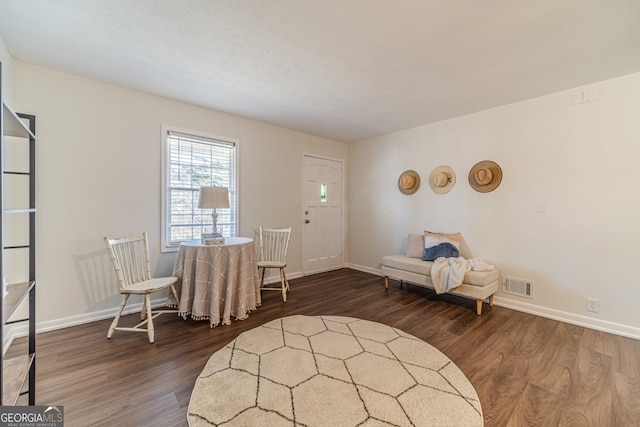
527 370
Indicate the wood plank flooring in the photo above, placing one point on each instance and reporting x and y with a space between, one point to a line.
527 370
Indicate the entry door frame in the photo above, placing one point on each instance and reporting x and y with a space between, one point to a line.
343 237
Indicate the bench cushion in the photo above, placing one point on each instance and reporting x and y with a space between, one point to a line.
413 265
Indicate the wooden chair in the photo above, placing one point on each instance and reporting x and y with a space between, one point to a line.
274 243
130 259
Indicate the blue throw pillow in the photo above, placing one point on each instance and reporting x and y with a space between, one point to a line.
446 250
438 245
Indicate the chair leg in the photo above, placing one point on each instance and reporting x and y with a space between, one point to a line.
175 295
284 274
114 324
147 307
284 286
262 278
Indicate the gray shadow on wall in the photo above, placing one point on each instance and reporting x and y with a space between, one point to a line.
98 281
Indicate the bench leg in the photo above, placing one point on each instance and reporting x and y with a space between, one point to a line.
386 282
479 304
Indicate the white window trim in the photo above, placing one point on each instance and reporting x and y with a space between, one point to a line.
164 226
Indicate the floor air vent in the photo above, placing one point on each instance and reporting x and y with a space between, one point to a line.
521 287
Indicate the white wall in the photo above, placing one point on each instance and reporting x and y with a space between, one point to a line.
99 174
7 74
581 161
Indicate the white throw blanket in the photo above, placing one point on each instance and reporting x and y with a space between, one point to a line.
448 273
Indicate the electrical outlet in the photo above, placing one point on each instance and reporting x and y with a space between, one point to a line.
593 305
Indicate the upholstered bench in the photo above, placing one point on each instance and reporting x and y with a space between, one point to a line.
478 285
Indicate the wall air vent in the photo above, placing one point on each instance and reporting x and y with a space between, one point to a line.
520 287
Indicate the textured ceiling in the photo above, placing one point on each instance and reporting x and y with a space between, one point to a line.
344 70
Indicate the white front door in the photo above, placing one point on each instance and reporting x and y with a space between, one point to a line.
322 221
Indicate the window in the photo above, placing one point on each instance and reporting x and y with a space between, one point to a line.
192 160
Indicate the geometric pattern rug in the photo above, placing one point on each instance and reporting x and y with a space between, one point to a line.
331 371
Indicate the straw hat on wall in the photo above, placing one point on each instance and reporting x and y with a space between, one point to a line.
485 176
409 182
442 179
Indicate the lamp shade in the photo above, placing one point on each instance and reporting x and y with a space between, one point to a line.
213 197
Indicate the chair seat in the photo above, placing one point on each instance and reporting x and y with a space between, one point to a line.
152 285
271 264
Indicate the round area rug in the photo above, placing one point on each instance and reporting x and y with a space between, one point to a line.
331 371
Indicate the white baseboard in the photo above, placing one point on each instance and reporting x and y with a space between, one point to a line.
22 330
549 313
365 269
572 318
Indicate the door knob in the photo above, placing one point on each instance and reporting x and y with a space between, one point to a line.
306 221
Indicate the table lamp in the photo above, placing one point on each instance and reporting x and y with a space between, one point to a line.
216 198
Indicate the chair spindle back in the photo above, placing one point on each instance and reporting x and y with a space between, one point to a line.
130 259
274 243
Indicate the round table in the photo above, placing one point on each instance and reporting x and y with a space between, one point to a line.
217 282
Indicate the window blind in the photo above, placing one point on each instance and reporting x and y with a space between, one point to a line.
194 161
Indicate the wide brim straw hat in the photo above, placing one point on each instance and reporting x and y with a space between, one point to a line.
409 182
442 179
485 176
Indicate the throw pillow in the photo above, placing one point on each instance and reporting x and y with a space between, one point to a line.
416 246
438 245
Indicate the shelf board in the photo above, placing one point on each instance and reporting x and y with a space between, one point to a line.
27 246
18 211
13 125
15 295
15 371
